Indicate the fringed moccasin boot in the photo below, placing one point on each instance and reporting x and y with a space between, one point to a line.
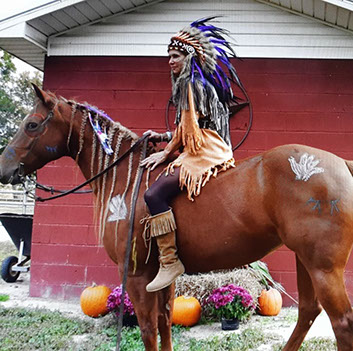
162 226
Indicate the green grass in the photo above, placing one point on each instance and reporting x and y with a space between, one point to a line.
45 330
37 329
105 338
319 344
4 297
291 316
314 344
249 339
131 341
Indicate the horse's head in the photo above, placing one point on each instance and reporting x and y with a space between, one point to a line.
41 138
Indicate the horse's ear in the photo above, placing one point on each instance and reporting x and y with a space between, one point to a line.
43 96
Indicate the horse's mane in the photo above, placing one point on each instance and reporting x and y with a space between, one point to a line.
100 160
85 106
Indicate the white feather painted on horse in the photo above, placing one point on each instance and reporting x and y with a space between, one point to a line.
118 209
306 167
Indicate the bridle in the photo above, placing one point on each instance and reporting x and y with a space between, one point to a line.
24 180
45 121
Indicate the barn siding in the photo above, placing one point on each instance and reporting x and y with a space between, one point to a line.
259 30
295 101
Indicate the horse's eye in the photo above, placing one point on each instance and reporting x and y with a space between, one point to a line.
32 126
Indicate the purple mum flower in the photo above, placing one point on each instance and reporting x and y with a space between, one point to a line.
230 301
115 299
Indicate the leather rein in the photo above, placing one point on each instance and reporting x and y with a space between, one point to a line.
88 181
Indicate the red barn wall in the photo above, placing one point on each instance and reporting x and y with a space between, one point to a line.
294 101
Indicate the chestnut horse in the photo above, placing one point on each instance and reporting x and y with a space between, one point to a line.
291 195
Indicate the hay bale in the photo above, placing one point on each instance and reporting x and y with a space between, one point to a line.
201 286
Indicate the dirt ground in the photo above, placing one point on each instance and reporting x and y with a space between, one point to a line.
283 324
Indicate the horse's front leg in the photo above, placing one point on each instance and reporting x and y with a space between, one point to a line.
146 309
165 312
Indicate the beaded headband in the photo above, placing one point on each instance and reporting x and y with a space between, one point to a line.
186 44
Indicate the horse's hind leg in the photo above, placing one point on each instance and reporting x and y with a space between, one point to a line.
165 308
309 308
331 291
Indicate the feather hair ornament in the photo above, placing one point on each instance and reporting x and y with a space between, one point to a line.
97 128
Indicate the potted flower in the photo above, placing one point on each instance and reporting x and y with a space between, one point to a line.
231 304
113 304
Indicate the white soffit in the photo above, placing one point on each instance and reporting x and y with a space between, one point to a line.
134 27
335 13
259 30
31 29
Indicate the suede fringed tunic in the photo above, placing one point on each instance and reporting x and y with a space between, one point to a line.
204 154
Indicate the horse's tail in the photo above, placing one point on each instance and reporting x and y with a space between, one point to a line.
350 166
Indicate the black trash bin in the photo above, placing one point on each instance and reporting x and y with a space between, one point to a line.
19 228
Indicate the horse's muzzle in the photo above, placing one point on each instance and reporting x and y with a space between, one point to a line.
9 175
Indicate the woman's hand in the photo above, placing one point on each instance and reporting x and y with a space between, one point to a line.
154 136
154 160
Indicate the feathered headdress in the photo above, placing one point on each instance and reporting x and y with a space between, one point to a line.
209 72
209 49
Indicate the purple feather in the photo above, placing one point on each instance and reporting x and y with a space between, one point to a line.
201 74
204 28
100 113
219 71
225 60
222 77
202 21
220 50
192 70
220 80
218 41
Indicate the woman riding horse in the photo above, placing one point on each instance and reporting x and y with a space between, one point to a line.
201 93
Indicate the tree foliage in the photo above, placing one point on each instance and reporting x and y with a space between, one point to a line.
16 97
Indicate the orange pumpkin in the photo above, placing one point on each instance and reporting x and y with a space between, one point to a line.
94 300
187 311
270 302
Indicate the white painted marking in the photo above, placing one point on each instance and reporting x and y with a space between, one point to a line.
306 167
118 209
